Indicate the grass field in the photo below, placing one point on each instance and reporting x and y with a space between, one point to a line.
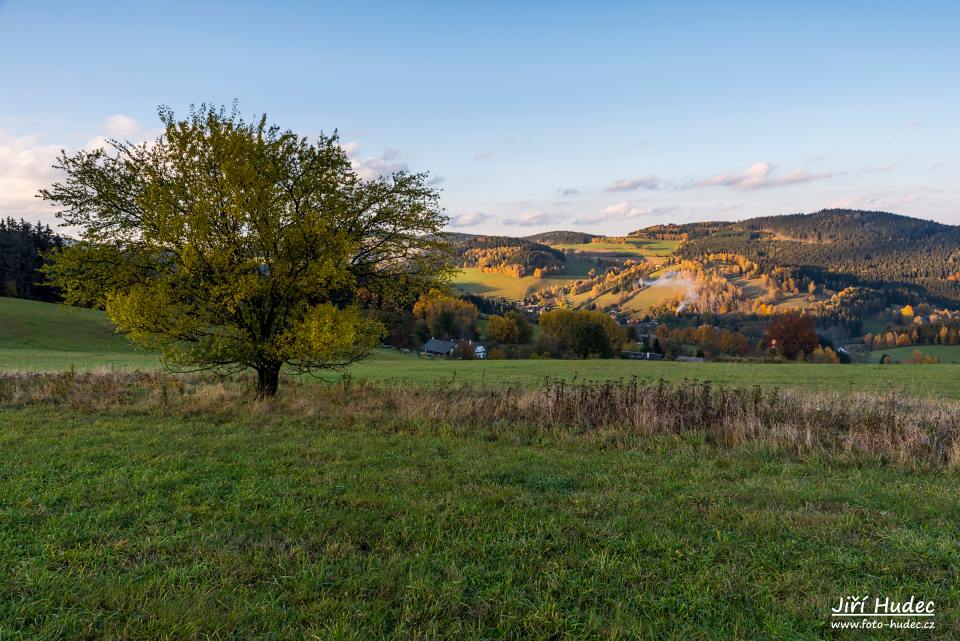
44 337
926 380
946 353
251 524
472 280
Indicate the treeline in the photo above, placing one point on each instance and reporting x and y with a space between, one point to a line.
514 257
785 337
22 247
936 334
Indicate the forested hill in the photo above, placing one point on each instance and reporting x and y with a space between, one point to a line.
839 225
562 238
879 249
516 257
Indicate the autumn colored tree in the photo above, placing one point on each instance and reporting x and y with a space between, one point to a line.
502 330
229 244
791 335
447 316
513 327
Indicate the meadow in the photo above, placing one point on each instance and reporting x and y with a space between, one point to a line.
946 353
143 508
43 337
473 280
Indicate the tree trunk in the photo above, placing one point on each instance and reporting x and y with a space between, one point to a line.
268 380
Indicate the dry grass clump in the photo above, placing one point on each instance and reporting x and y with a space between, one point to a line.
894 427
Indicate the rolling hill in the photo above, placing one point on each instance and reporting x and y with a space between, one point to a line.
846 263
46 336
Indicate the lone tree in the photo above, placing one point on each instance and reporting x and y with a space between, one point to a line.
228 244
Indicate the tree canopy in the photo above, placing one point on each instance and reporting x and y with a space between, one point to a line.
229 244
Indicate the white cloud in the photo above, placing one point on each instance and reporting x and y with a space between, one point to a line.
623 210
120 126
374 166
25 167
760 176
631 184
532 219
469 219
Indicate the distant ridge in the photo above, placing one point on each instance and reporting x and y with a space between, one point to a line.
562 237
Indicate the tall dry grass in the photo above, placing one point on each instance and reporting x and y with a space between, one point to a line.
893 427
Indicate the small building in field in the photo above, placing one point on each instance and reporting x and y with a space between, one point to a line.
480 352
434 347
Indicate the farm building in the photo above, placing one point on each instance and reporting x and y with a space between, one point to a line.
480 352
434 347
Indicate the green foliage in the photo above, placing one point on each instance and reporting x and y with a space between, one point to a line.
230 245
567 327
589 339
511 328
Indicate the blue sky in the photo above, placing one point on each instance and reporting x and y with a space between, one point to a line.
603 117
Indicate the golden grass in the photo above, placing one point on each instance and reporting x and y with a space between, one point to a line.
894 428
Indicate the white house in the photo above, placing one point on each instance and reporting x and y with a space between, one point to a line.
480 352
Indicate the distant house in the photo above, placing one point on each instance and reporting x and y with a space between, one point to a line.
480 352
434 347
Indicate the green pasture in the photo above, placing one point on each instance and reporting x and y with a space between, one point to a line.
946 353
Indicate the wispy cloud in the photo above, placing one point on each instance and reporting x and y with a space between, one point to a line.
760 175
623 210
532 219
469 219
569 191
631 184
889 201
435 180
